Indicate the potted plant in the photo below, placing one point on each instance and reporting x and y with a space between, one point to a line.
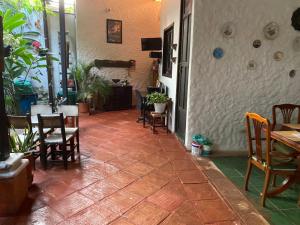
89 85
159 100
24 143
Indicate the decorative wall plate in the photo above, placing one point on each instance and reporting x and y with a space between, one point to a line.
218 53
296 19
278 56
292 73
271 31
296 44
252 65
228 30
256 43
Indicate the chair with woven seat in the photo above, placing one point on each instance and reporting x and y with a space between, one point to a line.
260 156
287 112
57 142
71 112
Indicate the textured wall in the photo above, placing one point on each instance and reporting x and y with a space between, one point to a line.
140 19
170 14
221 91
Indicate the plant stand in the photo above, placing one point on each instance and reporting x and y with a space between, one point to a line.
13 184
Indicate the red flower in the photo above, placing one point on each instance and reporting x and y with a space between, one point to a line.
36 44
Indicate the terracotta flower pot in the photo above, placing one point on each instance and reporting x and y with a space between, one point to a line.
29 168
84 107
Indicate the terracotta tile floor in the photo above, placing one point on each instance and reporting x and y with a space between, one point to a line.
126 175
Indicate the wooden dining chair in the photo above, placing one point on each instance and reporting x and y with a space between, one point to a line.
260 156
40 109
57 142
287 112
71 112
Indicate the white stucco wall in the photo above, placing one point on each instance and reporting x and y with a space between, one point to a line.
140 19
170 14
221 91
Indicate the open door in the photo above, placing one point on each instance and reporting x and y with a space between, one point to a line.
183 68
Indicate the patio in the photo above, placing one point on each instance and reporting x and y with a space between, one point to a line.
126 175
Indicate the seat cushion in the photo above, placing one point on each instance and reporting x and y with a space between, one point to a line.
68 130
282 148
57 138
288 164
45 130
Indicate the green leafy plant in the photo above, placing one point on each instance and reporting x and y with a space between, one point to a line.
24 58
157 97
22 144
89 84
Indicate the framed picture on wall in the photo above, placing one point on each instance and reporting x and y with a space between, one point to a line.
114 31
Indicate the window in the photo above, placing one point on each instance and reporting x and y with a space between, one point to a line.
168 51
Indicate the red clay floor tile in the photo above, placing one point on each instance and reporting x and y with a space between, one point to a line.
204 191
121 201
71 204
121 221
94 215
139 169
147 214
99 190
212 211
121 179
192 177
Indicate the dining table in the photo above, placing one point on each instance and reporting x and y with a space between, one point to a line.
288 134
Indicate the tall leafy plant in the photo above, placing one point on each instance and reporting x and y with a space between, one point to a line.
24 58
89 84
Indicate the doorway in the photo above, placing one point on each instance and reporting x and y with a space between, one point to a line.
183 68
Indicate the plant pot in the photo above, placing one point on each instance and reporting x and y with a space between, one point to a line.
29 168
84 107
159 107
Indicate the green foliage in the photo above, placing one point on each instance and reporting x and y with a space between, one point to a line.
22 144
24 59
157 97
89 84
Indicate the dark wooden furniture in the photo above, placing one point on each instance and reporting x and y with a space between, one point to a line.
57 142
119 99
287 112
263 158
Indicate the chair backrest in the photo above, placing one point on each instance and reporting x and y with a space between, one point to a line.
287 111
70 111
53 122
41 109
20 122
262 132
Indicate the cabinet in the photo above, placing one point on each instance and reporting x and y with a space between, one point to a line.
119 99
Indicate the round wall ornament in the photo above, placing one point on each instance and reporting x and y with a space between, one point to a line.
228 30
278 56
296 19
218 53
292 73
256 43
271 31
252 65
296 44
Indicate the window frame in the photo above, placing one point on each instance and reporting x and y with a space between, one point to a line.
167 64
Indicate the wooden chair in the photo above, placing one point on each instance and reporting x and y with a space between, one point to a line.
55 140
287 112
161 119
71 112
21 125
40 109
261 156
